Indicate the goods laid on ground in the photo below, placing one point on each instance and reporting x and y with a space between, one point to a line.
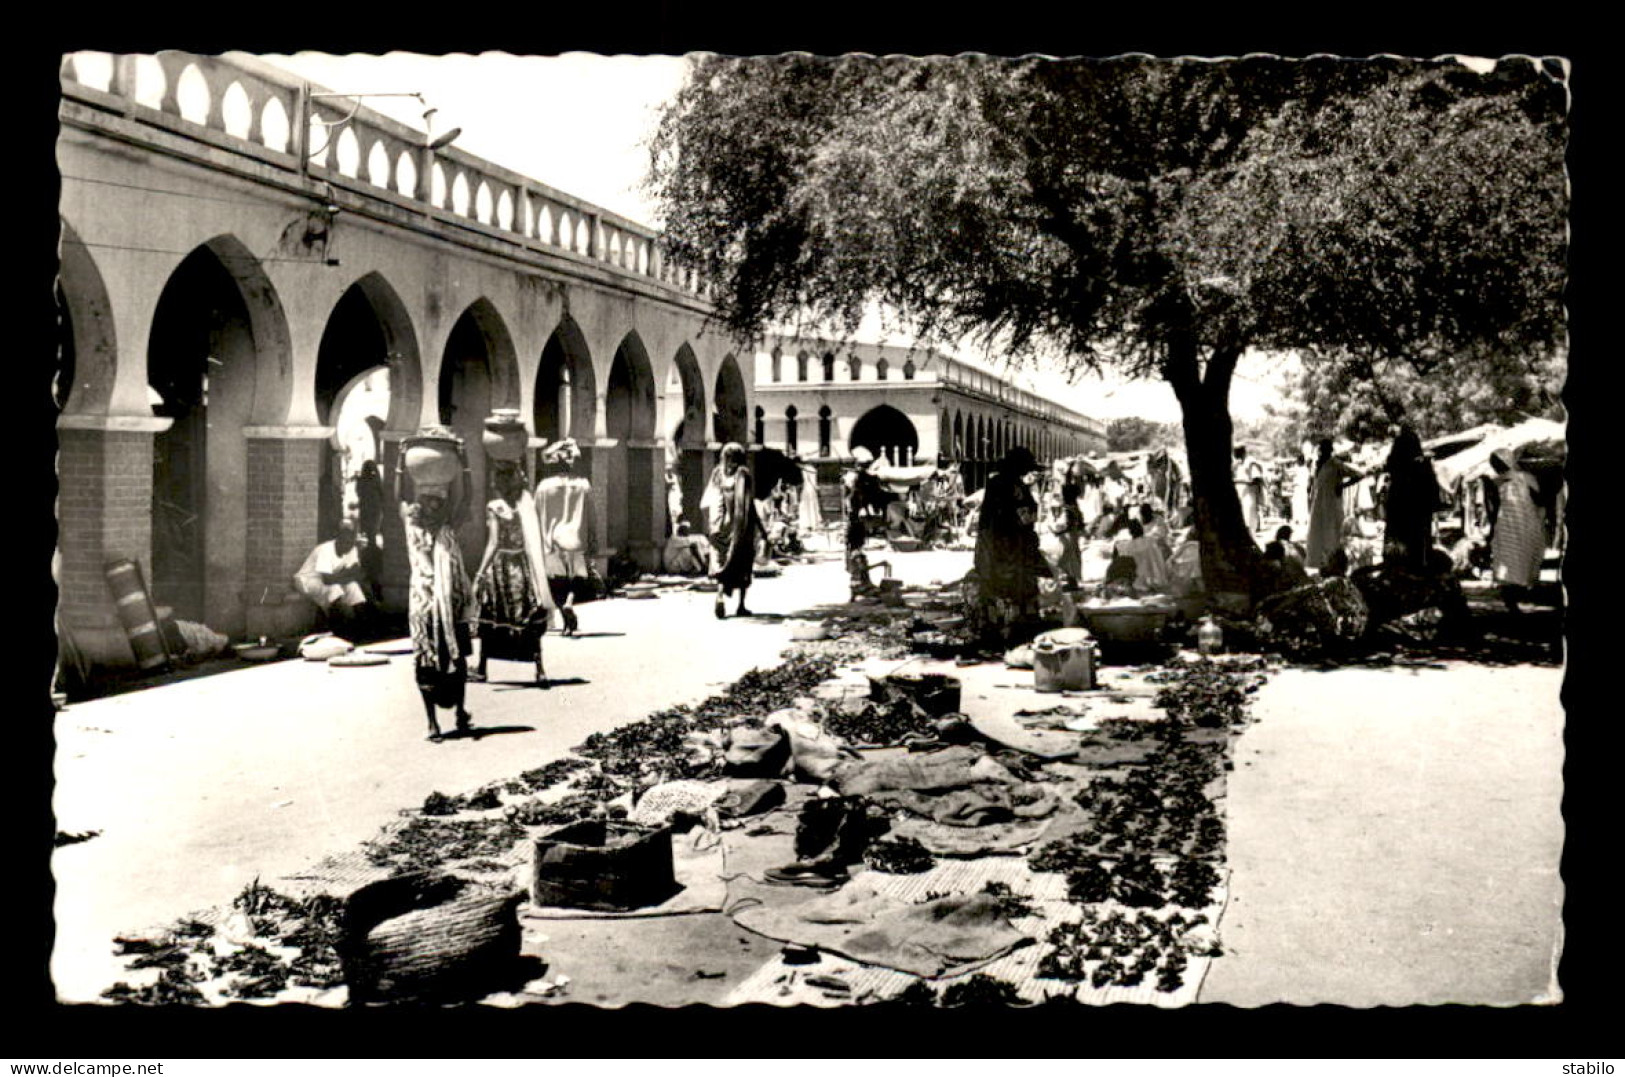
948 859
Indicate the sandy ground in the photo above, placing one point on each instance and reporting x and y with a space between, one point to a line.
1394 839
200 787
1393 834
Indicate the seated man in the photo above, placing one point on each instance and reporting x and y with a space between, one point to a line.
1151 565
1283 535
1285 571
332 578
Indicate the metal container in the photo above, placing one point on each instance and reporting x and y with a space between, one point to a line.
1064 660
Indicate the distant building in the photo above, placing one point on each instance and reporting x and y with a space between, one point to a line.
820 401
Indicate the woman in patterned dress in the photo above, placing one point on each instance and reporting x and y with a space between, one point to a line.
569 534
1518 538
440 603
510 588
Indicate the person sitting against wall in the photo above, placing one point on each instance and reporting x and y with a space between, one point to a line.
332 578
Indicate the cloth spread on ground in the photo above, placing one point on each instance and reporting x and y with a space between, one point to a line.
956 786
940 937
951 768
989 839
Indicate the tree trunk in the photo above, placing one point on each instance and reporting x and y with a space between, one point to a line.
1230 556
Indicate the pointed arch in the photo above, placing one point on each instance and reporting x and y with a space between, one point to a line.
566 390
90 338
729 403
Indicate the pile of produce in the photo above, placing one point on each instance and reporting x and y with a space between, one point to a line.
1116 950
1208 694
429 843
295 944
1151 837
869 722
899 856
978 989
483 799
886 633
649 751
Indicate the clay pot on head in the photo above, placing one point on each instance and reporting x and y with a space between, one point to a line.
431 460
505 436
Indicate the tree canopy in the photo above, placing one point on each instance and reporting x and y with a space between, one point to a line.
1156 216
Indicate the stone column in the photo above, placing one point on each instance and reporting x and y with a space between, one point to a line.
646 469
104 513
284 477
397 570
599 473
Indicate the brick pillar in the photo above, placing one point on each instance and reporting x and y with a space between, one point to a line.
284 476
104 513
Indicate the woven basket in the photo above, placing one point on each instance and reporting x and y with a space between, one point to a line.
428 937
594 864
1127 625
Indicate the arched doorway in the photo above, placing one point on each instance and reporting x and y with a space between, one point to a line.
885 431
629 420
367 358
351 349
216 362
566 391
685 403
728 415
479 371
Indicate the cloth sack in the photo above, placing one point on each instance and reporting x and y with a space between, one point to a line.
927 772
814 753
756 751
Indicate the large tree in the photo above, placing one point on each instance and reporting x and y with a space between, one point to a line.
1157 216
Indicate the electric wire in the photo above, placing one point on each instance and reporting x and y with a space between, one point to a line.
161 250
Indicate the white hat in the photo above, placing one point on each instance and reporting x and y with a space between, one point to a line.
860 455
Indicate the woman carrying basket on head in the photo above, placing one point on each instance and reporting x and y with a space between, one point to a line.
440 604
511 588
569 530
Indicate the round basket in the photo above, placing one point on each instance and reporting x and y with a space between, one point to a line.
808 631
1138 625
257 652
428 937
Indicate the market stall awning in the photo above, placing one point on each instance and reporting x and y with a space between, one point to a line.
1532 436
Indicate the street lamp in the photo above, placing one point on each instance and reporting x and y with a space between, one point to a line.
434 139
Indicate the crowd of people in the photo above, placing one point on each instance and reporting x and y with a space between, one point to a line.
1034 529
